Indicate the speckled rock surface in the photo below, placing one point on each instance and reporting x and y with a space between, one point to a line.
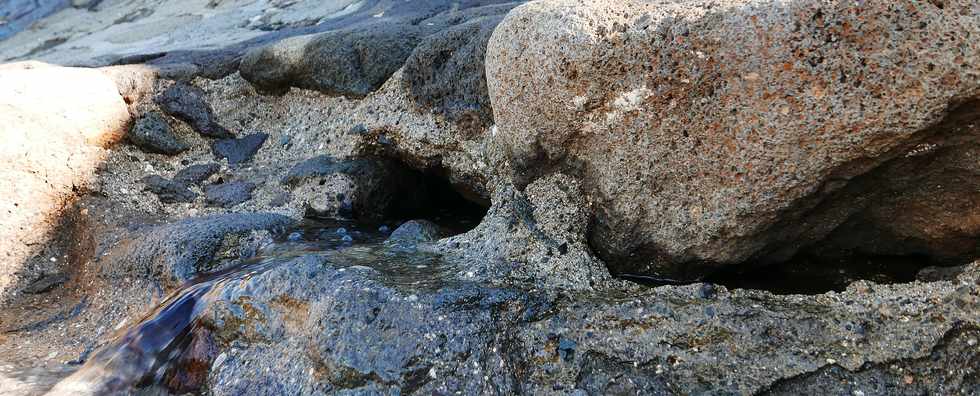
152 133
329 326
705 132
586 157
537 237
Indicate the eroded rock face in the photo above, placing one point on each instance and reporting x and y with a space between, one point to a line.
705 133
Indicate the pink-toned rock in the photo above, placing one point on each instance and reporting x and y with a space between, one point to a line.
55 123
711 133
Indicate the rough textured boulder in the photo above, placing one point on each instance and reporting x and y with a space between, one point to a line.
712 133
351 62
445 74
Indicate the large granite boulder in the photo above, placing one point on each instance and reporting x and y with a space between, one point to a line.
712 133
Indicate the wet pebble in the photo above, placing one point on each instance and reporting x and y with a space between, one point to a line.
295 237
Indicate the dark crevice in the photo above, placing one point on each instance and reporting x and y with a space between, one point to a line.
401 193
441 203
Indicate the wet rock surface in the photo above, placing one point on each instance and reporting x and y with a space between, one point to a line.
349 321
175 252
414 232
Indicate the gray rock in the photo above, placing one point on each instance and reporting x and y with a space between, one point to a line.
707 145
241 150
413 232
168 191
352 62
445 74
321 165
228 194
175 252
153 134
196 174
335 315
17 15
186 102
537 236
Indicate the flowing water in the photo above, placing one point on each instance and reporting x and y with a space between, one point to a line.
142 355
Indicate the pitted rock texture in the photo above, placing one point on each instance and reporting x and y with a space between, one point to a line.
696 127
324 315
153 134
353 62
535 236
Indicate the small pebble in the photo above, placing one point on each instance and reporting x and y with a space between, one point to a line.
707 291
341 231
347 238
295 237
384 229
